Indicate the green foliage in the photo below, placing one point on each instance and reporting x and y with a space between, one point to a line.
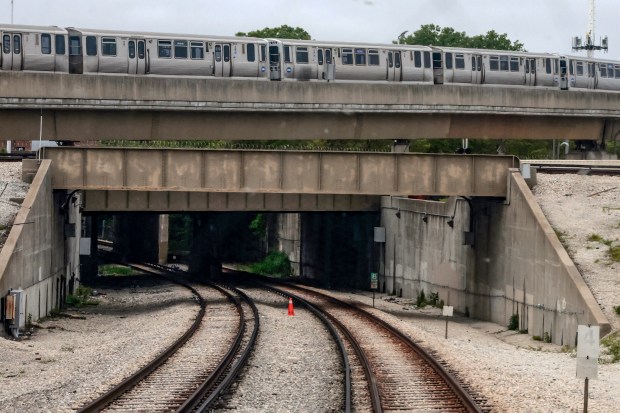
281 32
114 270
421 300
513 324
614 253
613 148
435 35
547 337
180 232
595 238
537 338
258 226
612 347
276 263
81 297
617 309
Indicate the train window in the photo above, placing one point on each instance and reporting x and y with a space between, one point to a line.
437 63
6 44
328 56
390 60
251 52
373 57
263 53
504 65
571 65
46 43
91 46
494 63
473 63
548 66
108 46
301 54
579 68
164 49
514 64
397 59
449 61
131 49
347 56
180 49
459 61
603 71
218 53
17 44
198 50
320 57
141 51
287 54
617 71
417 59
227 53
360 57
75 46
274 54
427 60
60 44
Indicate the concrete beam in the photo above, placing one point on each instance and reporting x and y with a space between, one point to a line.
84 107
277 172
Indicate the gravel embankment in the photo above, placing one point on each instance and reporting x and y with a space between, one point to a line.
11 187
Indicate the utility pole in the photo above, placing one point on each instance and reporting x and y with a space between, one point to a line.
589 44
11 11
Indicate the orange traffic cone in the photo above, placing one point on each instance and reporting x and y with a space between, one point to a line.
291 309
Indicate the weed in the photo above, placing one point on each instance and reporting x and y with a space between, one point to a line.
29 321
537 338
66 347
547 337
595 238
513 324
614 253
81 297
433 299
612 347
617 309
115 270
421 299
276 263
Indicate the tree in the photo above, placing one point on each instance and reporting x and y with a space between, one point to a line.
282 32
434 35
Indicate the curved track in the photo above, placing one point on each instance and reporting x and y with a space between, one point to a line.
406 376
191 372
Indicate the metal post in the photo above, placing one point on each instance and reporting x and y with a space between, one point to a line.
585 396
373 298
446 328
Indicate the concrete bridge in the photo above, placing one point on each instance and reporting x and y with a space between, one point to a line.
99 107
219 180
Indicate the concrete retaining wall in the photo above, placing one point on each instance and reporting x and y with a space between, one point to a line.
40 255
515 266
288 238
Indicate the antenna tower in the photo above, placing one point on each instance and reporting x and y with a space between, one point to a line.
589 44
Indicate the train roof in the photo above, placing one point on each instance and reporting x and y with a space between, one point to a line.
162 35
494 51
32 28
591 59
296 42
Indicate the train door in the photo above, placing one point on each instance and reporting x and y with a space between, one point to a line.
394 66
476 69
325 64
76 60
591 75
12 56
136 54
563 74
530 71
275 60
438 68
221 55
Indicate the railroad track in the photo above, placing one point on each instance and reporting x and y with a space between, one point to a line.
584 167
400 376
192 372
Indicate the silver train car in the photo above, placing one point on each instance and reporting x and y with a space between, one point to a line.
85 51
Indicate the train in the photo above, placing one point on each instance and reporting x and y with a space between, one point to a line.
85 51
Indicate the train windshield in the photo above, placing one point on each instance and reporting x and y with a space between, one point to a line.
274 54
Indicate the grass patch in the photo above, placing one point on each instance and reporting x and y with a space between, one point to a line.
81 297
617 309
115 270
276 263
614 253
513 324
595 238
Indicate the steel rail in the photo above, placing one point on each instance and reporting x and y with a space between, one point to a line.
113 394
469 403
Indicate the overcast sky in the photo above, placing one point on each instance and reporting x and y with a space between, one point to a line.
542 25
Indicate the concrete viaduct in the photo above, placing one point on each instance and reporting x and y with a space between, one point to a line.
100 107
